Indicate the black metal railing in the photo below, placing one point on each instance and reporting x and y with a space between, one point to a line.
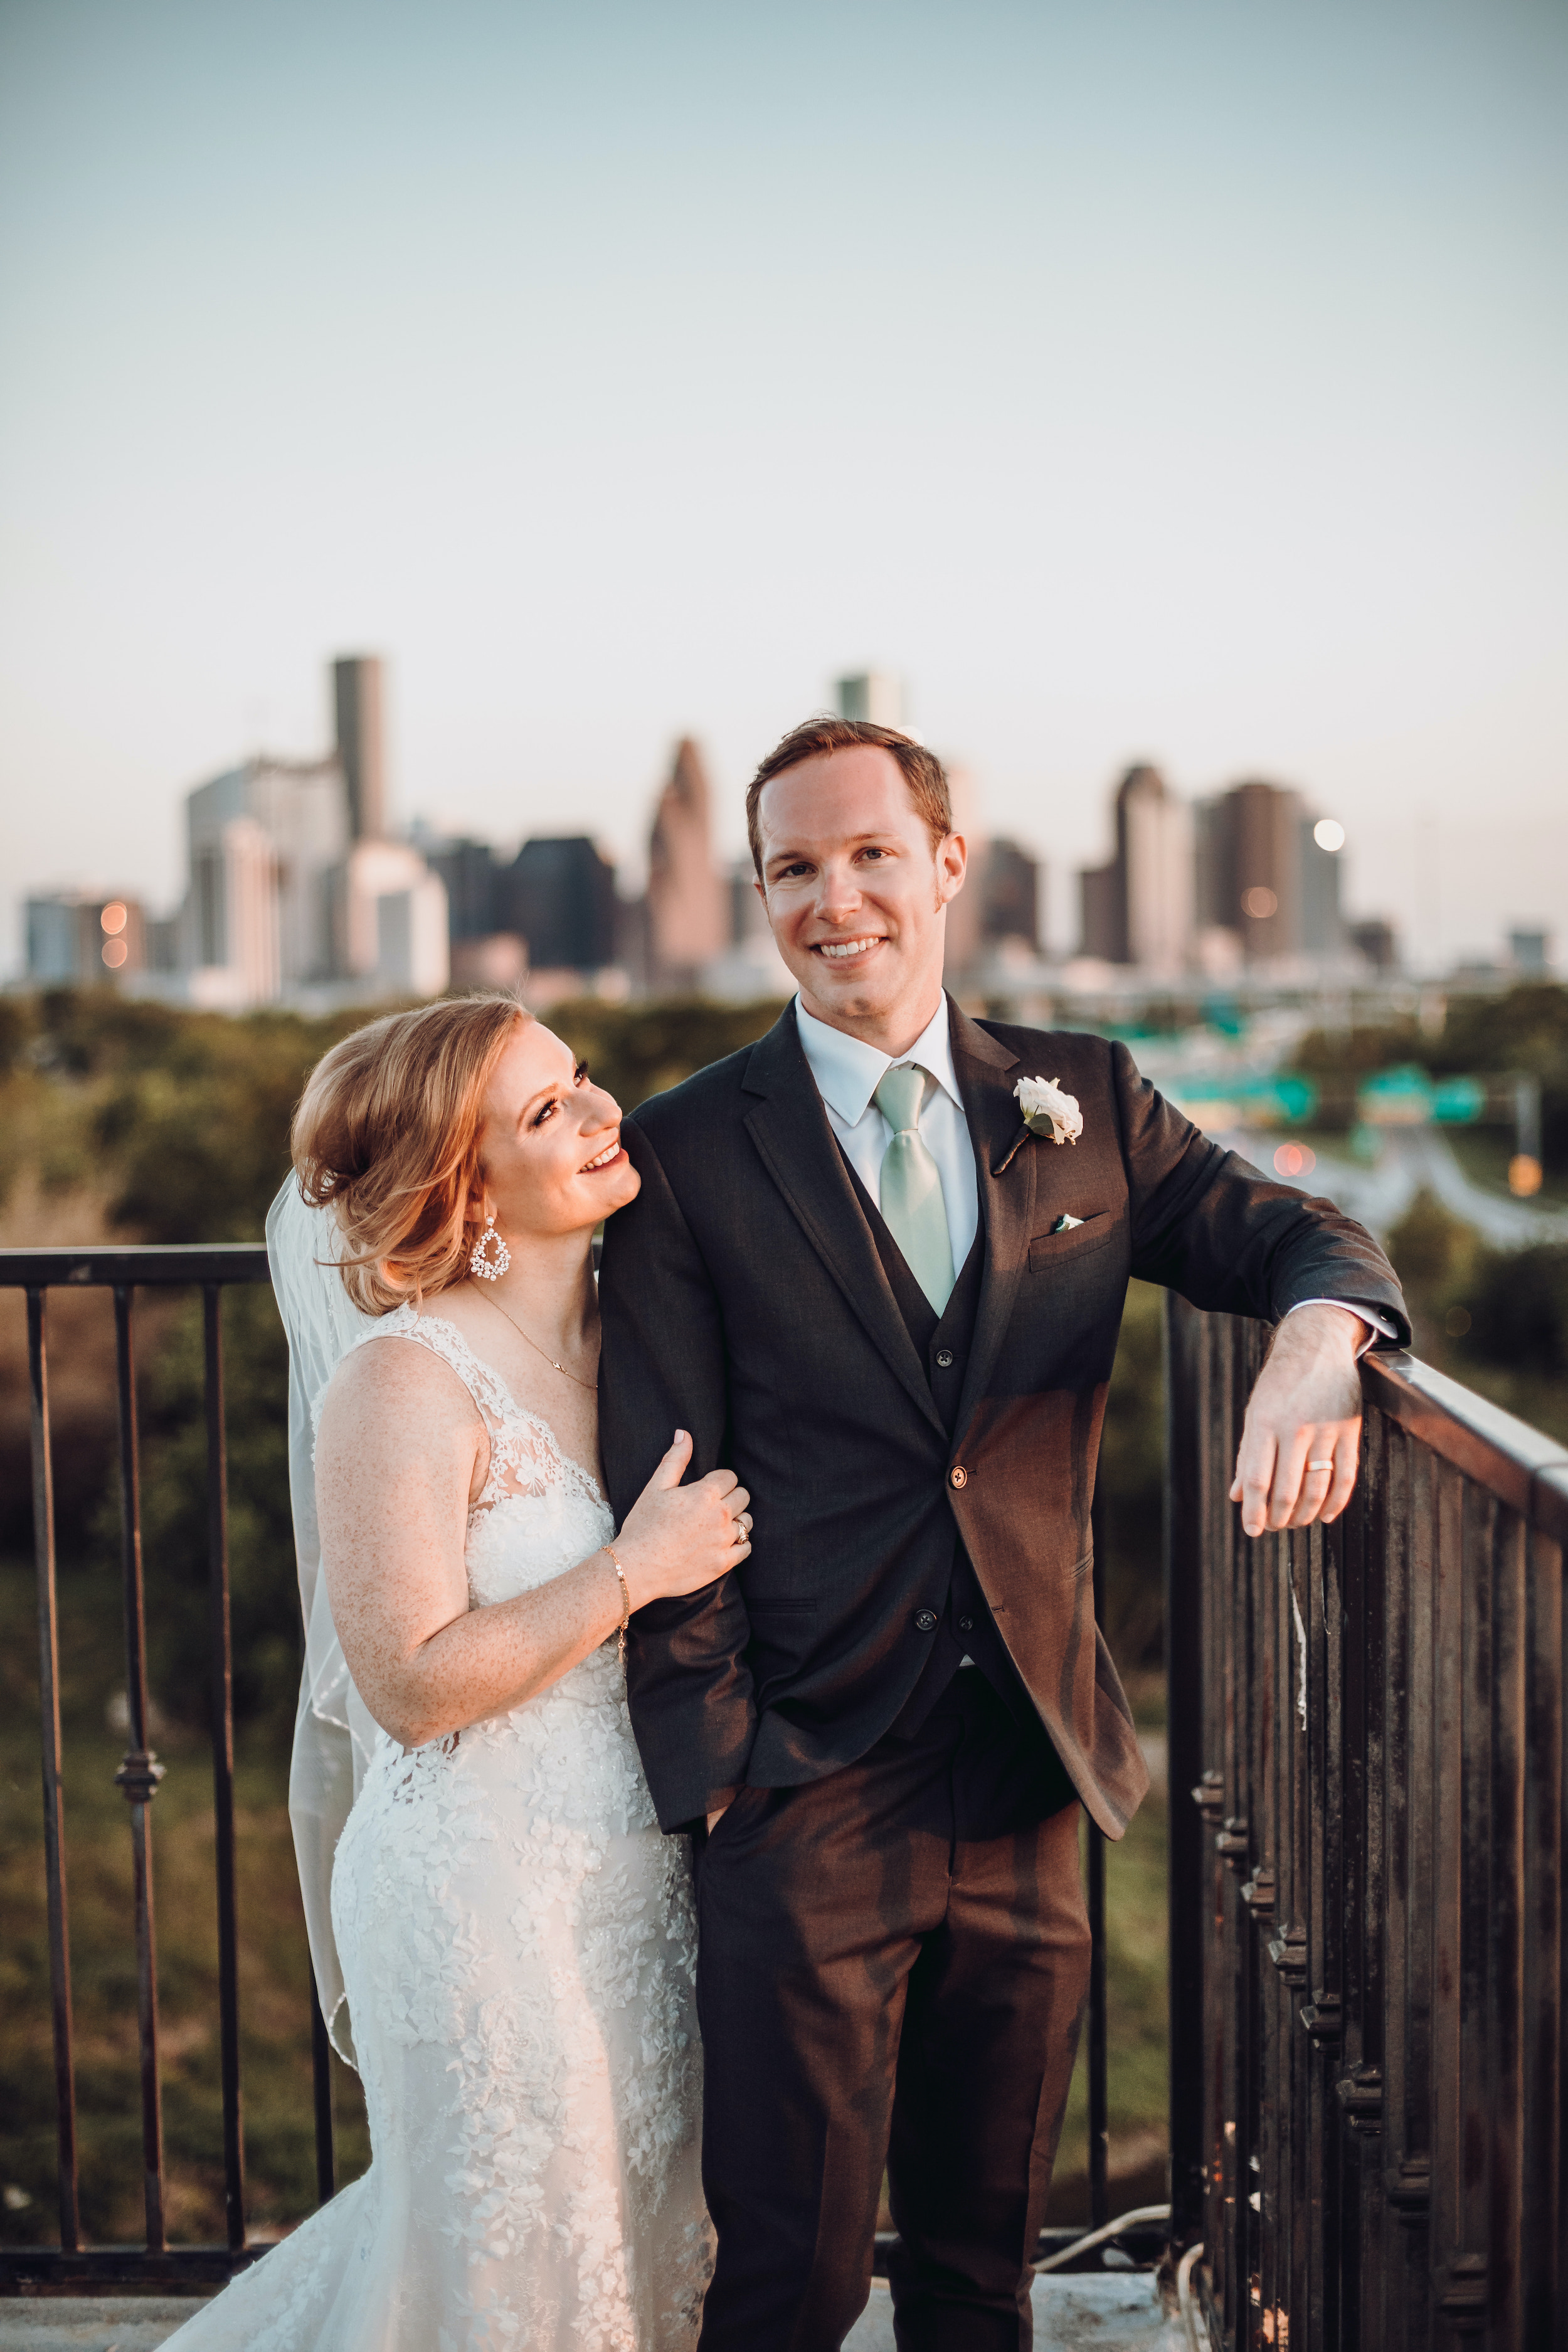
90 2269
101 2269
1366 1890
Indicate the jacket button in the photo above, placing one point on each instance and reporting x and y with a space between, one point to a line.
966 1624
958 1475
925 1621
945 1359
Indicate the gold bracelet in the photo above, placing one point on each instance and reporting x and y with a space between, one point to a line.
626 1602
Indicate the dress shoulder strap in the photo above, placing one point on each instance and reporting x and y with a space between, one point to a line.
485 1387
526 1457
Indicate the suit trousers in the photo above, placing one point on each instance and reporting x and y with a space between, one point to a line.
892 1966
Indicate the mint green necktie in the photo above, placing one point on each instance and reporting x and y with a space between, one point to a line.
912 1201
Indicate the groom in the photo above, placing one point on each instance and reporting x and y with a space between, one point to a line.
864 1283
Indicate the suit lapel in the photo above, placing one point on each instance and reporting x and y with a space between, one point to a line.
789 1127
986 1079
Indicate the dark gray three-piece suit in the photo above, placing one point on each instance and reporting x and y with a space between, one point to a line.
893 1948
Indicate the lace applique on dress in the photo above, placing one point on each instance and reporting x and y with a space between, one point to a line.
525 1458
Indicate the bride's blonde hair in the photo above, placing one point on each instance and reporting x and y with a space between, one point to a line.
387 1137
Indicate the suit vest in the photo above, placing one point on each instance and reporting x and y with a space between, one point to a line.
966 1627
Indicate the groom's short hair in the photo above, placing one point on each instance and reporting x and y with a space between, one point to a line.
922 771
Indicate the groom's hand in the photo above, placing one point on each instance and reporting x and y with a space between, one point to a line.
1301 1442
718 1814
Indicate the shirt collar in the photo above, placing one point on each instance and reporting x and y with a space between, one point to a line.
848 1072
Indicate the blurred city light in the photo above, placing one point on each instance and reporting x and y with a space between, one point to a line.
1327 834
1523 1175
1294 1159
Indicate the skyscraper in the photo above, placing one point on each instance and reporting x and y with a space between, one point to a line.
874 695
359 707
468 869
389 921
687 909
1009 888
1265 876
293 881
1139 908
559 895
263 840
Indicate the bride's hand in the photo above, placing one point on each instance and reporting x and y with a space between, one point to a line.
677 1539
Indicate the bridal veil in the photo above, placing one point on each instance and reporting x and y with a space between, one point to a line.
334 1730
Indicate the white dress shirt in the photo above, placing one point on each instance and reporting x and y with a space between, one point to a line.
847 1074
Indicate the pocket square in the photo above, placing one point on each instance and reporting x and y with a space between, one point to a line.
1064 1224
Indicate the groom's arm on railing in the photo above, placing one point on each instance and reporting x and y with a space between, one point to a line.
661 1368
1208 1226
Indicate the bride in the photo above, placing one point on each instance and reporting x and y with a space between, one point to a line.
515 1937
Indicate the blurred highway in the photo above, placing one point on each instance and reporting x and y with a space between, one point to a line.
1411 1160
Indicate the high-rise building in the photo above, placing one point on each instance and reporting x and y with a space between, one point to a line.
1139 908
293 882
264 840
1265 873
1009 890
358 703
389 921
468 869
688 910
874 695
78 938
559 896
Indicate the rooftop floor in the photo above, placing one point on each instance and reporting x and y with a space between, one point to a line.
1118 2312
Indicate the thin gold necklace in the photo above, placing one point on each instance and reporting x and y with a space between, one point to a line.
592 1386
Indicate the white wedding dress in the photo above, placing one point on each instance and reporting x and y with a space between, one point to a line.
519 1945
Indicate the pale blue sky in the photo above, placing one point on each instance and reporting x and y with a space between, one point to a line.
1139 379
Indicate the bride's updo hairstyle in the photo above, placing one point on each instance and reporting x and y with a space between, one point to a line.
387 1137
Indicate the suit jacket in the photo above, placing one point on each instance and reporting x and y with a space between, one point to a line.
742 1298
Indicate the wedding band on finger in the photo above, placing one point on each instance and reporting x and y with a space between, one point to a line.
1321 1465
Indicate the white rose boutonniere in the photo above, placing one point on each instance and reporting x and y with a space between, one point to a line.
1047 1111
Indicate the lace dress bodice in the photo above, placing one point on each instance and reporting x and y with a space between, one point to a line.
519 1947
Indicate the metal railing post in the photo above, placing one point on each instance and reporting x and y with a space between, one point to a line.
223 1763
1187 1821
54 1790
141 1772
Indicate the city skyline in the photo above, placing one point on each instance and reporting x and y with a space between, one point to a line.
1168 906
301 887
1139 386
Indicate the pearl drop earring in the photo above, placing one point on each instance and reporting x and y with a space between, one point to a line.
485 1268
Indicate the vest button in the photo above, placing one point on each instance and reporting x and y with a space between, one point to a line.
958 1475
966 1624
945 1359
925 1621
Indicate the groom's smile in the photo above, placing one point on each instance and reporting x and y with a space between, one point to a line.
841 951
